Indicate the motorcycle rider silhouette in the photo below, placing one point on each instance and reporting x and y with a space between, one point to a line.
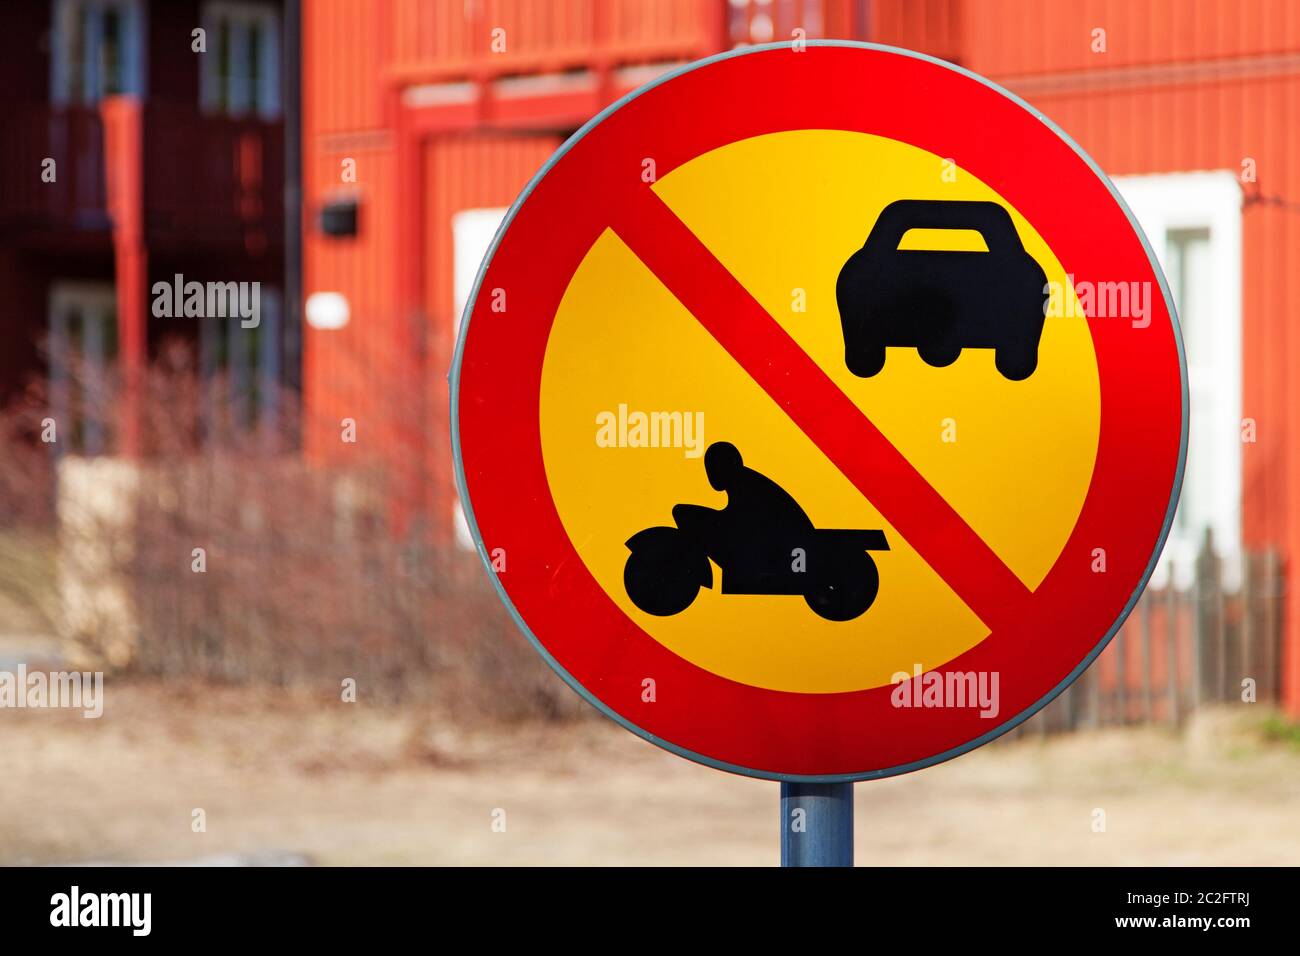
763 541
760 518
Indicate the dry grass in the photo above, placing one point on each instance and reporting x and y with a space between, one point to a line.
362 784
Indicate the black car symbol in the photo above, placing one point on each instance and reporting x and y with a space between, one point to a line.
940 302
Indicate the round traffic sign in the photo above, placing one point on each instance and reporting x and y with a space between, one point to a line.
819 411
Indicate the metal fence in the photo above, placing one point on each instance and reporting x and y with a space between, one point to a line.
1180 649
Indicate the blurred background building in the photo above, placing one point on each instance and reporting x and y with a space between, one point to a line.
130 157
420 122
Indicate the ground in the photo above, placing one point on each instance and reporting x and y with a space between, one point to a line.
335 783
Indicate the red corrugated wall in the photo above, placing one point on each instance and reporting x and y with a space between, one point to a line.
344 53
449 39
386 370
467 171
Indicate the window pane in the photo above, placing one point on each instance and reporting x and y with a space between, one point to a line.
222 54
86 77
255 41
1190 277
1187 248
244 69
72 35
111 79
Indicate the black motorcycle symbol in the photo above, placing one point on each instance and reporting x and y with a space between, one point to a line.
763 542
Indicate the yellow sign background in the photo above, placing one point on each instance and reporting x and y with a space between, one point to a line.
783 212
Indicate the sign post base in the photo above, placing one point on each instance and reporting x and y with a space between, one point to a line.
816 824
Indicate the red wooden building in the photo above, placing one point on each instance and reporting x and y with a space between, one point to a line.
425 119
133 153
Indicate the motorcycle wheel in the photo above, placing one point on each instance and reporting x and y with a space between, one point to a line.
661 578
847 589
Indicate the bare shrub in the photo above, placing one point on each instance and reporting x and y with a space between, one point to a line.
28 594
245 562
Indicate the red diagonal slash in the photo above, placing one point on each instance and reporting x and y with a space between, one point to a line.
816 405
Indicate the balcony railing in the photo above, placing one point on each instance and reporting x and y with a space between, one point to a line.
493 38
482 40
211 179
52 168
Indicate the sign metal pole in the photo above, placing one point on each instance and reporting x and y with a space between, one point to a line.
816 824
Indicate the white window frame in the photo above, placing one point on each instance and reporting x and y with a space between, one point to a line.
472 231
86 89
1212 201
95 302
263 102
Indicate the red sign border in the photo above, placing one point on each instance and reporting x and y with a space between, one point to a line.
824 727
